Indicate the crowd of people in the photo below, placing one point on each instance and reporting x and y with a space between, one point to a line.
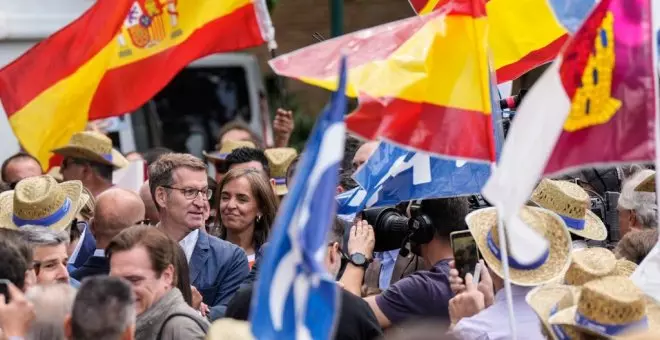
179 259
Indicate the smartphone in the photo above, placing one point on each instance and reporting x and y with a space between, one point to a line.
466 253
4 289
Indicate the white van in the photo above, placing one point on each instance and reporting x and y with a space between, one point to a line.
185 116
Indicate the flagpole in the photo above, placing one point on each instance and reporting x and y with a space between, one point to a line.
505 268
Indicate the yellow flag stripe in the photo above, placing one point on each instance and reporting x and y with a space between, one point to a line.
437 65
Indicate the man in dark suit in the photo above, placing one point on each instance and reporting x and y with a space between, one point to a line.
180 189
116 209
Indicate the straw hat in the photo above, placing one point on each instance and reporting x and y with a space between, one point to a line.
546 300
41 201
609 307
625 267
279 160
229 329
647 185
590 264
226 148
483 226
93 146
572 204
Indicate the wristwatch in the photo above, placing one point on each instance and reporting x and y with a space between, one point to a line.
360 260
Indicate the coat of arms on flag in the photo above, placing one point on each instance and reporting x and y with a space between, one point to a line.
149 23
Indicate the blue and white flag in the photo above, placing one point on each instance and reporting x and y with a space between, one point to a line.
393 175
295 297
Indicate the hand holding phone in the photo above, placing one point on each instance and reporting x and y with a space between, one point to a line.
466 253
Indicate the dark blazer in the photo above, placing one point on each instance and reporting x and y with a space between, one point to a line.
217 269
95 265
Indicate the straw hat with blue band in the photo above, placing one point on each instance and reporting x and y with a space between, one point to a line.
483 227
226 148
546 300
572 204
610 307
93 146
41 201
279 160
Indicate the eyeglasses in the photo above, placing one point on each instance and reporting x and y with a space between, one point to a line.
192 193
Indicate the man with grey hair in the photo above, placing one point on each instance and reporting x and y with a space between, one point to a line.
52 304
637 210
151 212
104 309
116 209
49 253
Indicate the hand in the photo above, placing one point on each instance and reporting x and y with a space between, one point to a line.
362 239
283 126
17 315
204 309
466 304
485 285
196 298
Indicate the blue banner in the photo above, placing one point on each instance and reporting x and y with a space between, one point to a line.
392 175
295 297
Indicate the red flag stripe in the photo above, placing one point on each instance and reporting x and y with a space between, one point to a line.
43 74
424 126
238 30
530 61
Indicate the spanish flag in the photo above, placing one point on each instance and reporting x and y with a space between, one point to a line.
114 58
523 34
423 82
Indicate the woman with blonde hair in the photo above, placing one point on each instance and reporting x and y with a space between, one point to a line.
246 210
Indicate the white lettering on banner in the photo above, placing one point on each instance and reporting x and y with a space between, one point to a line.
460 164
421 168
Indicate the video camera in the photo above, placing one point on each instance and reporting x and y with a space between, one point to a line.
390 227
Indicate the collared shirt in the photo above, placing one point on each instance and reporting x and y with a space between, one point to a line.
188 243
492 323
99 253
387 261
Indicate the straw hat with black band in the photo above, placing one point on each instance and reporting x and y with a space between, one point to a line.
41 201
279 160
610 307
483 227
226 148
572 204
647 185
92 146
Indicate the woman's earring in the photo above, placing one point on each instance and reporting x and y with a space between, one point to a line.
258 219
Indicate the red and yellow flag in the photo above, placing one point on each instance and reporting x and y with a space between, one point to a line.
423 82
115 57
523 34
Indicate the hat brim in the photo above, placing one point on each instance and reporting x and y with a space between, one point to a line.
566 317
118 160
73 190
594 228
647 185
480 223
215 156
281 189
543 298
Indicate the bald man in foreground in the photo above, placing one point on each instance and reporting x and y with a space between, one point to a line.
151 213
116 210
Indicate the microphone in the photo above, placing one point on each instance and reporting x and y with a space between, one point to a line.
511 103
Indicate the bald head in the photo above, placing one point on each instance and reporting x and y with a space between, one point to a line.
363 153
151 213
116 210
